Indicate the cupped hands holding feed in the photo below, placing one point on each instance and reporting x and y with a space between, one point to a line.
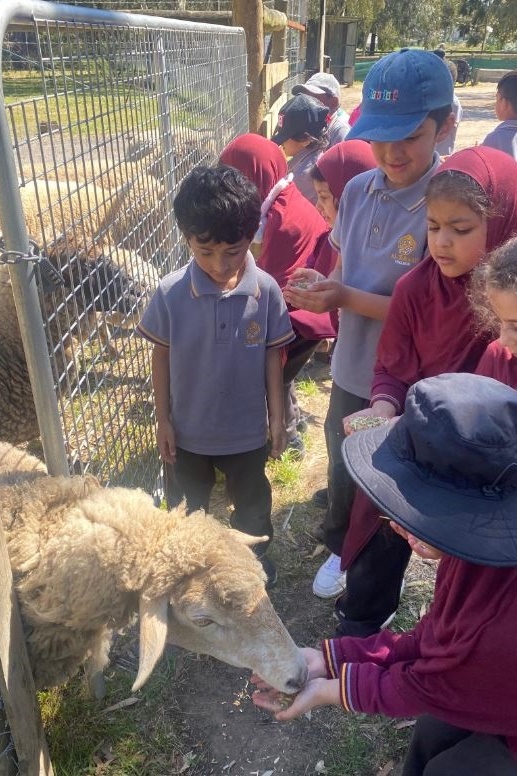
318 691
381 412
308 289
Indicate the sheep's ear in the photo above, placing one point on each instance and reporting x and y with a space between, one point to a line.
153 634
247 539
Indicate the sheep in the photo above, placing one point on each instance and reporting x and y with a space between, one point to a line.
85 559
53 207
126 206
99 294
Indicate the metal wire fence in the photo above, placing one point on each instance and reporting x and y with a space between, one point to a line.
295 44
106 113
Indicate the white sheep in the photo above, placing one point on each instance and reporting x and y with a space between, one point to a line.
85 559
52 208
126 206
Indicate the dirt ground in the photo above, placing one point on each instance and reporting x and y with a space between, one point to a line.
213 698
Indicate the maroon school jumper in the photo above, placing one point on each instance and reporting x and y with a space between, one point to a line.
429 330
500 363
458 664
295 234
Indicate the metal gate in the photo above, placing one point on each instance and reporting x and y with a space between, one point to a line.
103 114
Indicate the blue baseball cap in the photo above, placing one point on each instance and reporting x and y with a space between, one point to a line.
399 92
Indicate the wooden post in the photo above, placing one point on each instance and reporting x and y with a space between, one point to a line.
16 682
321 48
249 14
279 49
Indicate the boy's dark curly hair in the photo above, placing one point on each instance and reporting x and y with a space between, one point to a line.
217 203
497 273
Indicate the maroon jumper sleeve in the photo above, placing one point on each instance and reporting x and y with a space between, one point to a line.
397 364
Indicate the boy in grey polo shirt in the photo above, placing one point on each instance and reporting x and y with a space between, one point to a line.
218 327
381 233
504 136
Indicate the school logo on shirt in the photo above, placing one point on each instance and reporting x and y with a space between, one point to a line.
253 336
405 251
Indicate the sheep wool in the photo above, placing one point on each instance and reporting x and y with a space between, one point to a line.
85 559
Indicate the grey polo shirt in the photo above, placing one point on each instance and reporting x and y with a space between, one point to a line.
301 165
218 342
504 138
338 127
381 234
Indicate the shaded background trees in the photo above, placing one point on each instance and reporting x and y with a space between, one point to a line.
395 23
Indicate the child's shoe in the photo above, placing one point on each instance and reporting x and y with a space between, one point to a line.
330 581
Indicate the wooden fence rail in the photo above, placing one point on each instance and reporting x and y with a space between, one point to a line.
17 685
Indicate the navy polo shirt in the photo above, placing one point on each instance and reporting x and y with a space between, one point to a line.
218 342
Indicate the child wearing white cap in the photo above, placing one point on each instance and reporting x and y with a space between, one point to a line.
325 88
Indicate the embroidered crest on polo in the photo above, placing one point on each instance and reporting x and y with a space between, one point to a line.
405 251
253 335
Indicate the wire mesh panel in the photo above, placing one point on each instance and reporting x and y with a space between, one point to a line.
151 5
295 44
106 116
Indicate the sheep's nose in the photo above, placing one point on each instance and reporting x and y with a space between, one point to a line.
295 684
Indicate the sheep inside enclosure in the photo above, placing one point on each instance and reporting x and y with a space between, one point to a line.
85 559
105 119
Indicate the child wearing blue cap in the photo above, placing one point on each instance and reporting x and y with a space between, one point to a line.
381 233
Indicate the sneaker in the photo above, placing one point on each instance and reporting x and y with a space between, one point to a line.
296 447
270 569
320 498
330 581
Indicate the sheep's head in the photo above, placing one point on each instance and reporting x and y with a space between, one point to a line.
217 605
104 279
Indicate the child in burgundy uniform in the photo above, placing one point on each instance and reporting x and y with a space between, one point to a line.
494 295
472 208
291 234
334 169
445 473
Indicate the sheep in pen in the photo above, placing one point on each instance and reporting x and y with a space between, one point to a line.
105 287
86 559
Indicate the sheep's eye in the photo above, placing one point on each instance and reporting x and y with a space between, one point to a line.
202 622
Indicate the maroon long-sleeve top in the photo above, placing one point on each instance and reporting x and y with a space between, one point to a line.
457 664
430 329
